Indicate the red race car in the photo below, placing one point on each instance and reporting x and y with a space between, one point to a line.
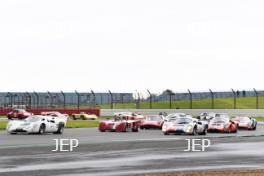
152 122
120 123
18 114
222 124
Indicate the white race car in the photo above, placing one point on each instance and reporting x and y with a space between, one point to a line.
37 124
184 125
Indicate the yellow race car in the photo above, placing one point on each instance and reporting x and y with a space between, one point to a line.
84 116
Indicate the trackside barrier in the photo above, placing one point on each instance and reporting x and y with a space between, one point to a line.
66 111
195 112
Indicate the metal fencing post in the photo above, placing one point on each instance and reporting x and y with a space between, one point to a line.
138 101
122 98
51 99
170 94
235 96
257 98
150 99
191 99
64 99
10 95
101 96
94 99
78 100
212 98
111 100
29 102
37 96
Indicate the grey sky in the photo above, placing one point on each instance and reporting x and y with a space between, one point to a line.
131 45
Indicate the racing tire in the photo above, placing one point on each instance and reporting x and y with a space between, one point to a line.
229 130
126 128
60 129
165 133
42 129
194 131
255 127
204 131
135 129
74 118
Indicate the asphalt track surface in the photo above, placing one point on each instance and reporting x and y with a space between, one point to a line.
145 152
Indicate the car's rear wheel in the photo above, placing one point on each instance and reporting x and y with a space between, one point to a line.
42 129
74 118
204 131
235 131
135 129
165 133
60 129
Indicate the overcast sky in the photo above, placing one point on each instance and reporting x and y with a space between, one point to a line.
131 45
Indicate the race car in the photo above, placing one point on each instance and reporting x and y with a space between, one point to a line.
56 114
18 114
120 123
84 116
246 123
176 115
207 116
184 125
152 122
37 124
132 115
222 123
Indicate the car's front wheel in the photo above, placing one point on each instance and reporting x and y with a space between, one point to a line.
194 130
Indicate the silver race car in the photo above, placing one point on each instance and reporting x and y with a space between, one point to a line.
37 124
184 125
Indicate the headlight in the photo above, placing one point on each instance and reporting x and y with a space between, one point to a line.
164 126
189 128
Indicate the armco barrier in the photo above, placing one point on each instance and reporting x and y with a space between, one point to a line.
66 111
195 112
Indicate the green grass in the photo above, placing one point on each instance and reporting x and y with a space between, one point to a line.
3 125
219 103
82 124
259 118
